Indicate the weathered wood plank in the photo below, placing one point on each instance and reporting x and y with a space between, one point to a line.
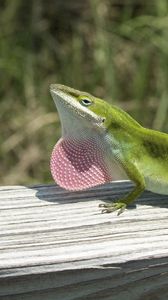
57 245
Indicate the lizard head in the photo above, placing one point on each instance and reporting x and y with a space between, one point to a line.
76 107
81 158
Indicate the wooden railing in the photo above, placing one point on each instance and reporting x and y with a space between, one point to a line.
55 244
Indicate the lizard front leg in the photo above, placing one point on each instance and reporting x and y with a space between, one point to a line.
120 205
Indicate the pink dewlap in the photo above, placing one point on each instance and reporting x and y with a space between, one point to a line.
77 165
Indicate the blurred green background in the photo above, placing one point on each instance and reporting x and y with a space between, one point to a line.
114 49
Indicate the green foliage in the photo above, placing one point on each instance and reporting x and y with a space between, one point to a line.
117 50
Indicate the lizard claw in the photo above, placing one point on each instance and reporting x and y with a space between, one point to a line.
104 211
111 207
105 205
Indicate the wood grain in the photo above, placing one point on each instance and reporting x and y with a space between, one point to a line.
56 244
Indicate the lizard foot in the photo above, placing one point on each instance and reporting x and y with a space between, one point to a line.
110 207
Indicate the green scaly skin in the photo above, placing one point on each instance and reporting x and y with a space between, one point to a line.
141 152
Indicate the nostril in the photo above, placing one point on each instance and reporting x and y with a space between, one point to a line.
103 120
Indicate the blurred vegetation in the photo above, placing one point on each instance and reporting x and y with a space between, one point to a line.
115 49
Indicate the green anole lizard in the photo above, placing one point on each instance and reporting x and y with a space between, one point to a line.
100 140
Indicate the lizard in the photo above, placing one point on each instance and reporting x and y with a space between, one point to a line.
100 143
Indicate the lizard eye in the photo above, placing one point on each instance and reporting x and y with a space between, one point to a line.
86 102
